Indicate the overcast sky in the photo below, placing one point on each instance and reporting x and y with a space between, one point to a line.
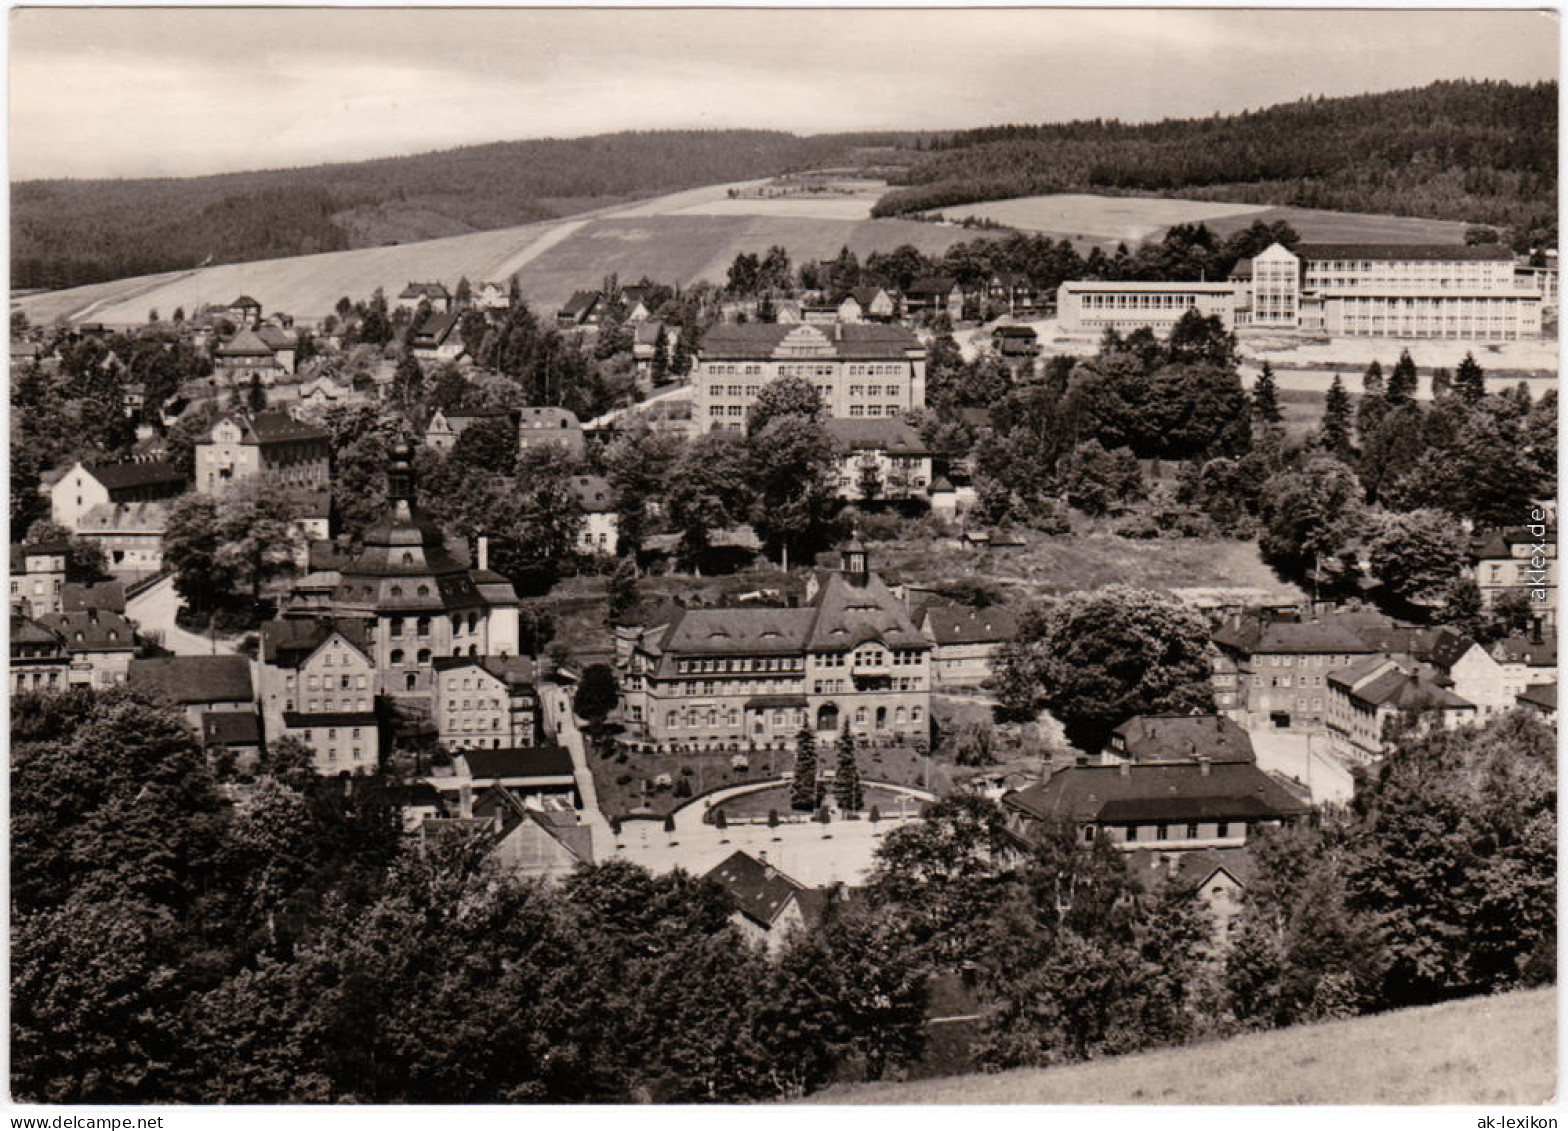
103 92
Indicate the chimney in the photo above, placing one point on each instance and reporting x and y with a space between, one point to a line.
465 801
1203 765
484 552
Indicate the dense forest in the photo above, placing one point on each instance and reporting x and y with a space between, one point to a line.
1478 151
69 233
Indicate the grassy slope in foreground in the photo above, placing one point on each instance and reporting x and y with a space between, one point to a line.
1485 1050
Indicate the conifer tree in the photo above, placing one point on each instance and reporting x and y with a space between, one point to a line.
803 790
1402 382
1336 417
1265 397
846 786
1372 381
1470 381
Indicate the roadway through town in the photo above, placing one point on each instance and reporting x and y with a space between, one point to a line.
154 610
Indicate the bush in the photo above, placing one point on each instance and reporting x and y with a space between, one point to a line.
720 821
823 815
773 818
876 814
683 788
669 822
622 779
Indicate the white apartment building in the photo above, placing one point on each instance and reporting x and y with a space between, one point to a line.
1089 306
860 371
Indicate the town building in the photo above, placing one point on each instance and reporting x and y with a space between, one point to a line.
528 840
197 684
1378 697
541 426
645 346
100 645
1217 878
885 456
340 742
1179 738
934 294
130 534
39 661
743 677
1526 659
1094 306
542 775
867 304
1442 291
436 338
243 311
89 485
1013 290
247 354
1540 700
491 295
247 445
38 577
486 701
860 371
445 427
315 667
106 596
1016 345
415 599
413 295
584 308
236 732
601 528
1520 563
1170 806
1281 667
965 642
769 905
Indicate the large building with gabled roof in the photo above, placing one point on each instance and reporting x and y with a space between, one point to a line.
861 371
751 677
244 445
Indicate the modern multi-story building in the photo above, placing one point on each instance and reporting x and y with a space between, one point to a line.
1394 291
246 445
860 370
1093 307
730 678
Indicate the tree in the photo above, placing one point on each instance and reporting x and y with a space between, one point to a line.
1372 381
1470 381
622 589
803 788
791 458
782 397
28 503
259 536
1265 397
846 784
1309 515
709 490
1418 555
487 445
190 549
1402 382
1097 658
255 395
1093 480
1336 418
1442 383
408 382
596 695
1200 340
659 367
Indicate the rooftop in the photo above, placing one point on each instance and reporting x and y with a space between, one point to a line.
759 891
1157 791
516 762
194 679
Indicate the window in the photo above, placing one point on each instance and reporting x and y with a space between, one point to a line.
397 656
1161 832
1132 832
1088 834
1222 829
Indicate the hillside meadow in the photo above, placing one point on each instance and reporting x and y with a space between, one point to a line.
1493 1050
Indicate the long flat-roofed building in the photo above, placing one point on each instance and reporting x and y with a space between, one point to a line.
860 370
1092 306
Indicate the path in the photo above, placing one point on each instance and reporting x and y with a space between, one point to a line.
560 720
1305 758
154 611
538 247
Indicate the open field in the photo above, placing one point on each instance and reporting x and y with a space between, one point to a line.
552 258
1486 1050
1130 218
1317 225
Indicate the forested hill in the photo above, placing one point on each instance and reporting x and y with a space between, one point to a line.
1476 151
67 233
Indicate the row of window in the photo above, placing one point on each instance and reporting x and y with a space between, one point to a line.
874 390
743 664
1163 832
874 410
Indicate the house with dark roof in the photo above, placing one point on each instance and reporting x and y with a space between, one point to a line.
313 668
1016 343
1218 878
1012 291
106 596
1179 738
486 701
545 773
768 904
243 311
1379 697
934 294
1540 700
531 840
436 338
885 456
860 370
100 644
439 298
199 684
39 661
237 732
746 677
1170 806
341 742
493 295
601 529
88 485
584 308
867 304
965 641
273 443
446 425
246 354
541 426
1281 667
1518 562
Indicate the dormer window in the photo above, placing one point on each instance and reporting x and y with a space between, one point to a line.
408 557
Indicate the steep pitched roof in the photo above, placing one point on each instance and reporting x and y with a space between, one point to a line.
849 614
849 340
1520 649
580 303
127 474
92 630
290 641
274 426
230 728
759 891
884 434
1157 791
425 290
1542 695
24 631
1182 738
593 492
194 679
107 595
435 329
718 632
951 624
247 343
932 286
1291 637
